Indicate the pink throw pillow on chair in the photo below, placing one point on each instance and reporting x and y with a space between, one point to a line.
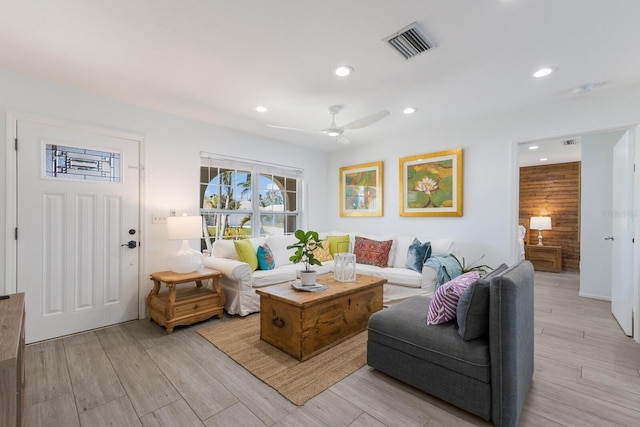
444 303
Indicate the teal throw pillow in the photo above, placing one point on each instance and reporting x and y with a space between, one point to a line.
265 258
417 254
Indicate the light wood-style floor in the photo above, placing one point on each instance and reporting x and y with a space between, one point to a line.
587 373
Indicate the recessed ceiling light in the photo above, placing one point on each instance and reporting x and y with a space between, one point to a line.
344 70
543 72
533 147
261 109
409 110
543 159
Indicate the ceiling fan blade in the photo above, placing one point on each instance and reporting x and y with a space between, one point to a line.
366 121
297 129
343 140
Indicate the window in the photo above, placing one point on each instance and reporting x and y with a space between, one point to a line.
242 199
81 164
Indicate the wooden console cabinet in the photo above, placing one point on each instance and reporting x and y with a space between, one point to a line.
12 360
544 258
186 305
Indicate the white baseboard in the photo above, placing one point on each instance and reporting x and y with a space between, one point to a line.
592 296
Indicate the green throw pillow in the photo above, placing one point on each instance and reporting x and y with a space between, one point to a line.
338 244
246 253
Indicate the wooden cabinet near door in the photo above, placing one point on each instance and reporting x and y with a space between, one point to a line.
12 360
544 258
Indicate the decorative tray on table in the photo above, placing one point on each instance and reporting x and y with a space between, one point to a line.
308 288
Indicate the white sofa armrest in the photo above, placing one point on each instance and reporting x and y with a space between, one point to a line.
236 282
232 269
429 279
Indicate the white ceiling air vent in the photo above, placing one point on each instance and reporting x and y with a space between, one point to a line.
572 141
409 42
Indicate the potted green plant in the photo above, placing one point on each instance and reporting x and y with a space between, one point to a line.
307 243
482 269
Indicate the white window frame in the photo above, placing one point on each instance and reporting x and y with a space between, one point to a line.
256 169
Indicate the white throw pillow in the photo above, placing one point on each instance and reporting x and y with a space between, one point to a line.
225 249
257 241
441 247
402 247
278 246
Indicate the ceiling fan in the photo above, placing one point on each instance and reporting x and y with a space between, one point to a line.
337 131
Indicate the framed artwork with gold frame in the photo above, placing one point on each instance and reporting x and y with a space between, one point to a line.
361 190
431 184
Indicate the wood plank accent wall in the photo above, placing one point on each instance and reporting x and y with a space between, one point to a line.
554 190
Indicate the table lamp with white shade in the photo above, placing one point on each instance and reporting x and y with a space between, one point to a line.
540 223
183 228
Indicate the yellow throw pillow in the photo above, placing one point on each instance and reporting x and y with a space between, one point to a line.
323 252
338 244
246 253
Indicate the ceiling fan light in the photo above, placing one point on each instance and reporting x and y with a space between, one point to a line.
261 109
333 132
409 110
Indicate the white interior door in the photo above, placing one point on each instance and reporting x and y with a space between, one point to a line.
78 201
622 227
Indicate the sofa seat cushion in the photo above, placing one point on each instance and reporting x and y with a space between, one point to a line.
285 273
396 276
404 328
262 278
402 277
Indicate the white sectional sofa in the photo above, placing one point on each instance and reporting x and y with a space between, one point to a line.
239 281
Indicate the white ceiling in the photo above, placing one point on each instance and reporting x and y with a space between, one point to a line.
550 151
215 60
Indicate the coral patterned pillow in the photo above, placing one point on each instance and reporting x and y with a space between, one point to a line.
372 252
444 303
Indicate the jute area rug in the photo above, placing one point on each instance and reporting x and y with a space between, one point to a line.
297 381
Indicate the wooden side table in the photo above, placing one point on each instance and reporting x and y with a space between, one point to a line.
544 258
185 306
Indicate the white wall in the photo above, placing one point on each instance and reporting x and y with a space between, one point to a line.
490 218
172 147
595 214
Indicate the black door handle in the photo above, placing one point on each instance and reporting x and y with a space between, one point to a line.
131 244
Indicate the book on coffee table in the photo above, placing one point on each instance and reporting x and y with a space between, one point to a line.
308 288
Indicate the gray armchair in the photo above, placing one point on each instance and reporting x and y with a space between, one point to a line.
489 371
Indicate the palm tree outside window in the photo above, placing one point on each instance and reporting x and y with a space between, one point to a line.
248 200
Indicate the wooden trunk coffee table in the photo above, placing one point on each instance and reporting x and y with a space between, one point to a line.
304 324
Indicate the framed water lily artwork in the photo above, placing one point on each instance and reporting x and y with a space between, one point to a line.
361 190
431 184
